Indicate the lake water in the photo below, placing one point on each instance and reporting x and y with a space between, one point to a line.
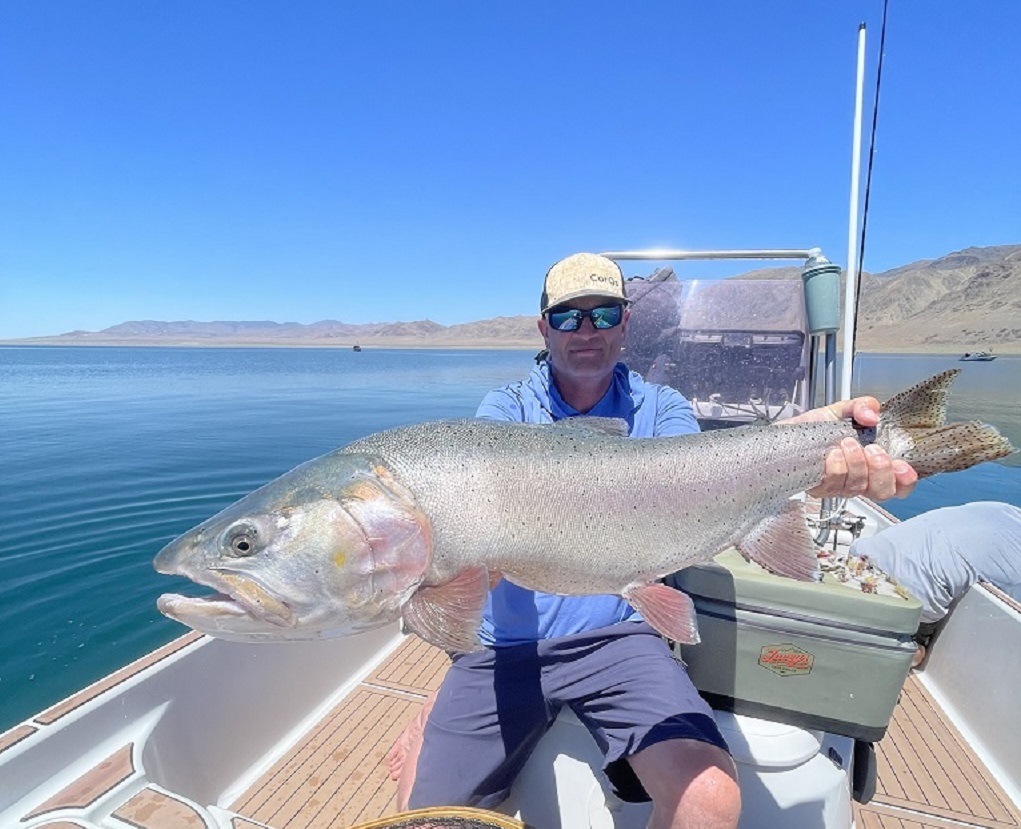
106 454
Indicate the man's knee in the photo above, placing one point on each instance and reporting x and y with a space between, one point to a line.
714 794
691 783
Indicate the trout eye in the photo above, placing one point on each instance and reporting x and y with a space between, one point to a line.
242 541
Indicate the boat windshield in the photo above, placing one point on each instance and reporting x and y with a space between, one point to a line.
736 348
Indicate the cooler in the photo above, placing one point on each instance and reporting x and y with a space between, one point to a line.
817 655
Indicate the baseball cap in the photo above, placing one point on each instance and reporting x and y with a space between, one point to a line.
583 274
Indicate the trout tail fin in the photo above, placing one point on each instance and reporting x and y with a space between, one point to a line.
912 426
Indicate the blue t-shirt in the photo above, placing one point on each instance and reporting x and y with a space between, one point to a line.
514 615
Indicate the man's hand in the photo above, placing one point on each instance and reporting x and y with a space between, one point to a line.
852 469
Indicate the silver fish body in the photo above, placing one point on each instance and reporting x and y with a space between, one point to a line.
416 522
574 510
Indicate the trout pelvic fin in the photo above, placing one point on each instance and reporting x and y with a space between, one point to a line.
448 615
783 544
666 609
912 427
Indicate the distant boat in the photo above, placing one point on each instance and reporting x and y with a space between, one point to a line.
978 356
357 347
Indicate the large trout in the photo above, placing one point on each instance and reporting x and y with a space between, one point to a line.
414 522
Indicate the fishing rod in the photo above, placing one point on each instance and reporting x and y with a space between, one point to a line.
856 242
872 156
831 513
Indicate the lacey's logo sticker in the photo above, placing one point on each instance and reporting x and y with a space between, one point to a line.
786 659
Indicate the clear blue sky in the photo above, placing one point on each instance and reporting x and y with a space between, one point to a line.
379 161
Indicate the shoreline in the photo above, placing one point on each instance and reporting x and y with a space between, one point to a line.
239 343
1012 349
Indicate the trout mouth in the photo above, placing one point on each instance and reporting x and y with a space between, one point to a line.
237 597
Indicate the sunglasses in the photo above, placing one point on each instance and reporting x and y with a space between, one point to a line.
603 317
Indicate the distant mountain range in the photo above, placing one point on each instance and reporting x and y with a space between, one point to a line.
964 301
499 332
969 300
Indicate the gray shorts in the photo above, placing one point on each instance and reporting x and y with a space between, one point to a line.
493 707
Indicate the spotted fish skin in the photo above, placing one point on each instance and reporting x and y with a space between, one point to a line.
571 509
417 522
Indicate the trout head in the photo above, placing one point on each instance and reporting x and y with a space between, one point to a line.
334 547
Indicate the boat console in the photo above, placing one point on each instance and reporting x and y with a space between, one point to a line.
736 348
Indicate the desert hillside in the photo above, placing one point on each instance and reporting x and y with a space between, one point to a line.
964 301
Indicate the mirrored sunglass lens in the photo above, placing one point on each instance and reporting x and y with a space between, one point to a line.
603 317
566 320
606 317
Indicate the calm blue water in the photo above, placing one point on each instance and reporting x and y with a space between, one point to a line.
109 453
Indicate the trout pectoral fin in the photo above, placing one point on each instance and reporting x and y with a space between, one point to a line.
668 610
783 545
448 615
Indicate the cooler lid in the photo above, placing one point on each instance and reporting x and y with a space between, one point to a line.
766 744
731 579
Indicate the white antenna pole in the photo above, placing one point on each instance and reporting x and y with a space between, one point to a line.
851 280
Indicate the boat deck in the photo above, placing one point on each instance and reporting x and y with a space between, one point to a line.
337 776
929 777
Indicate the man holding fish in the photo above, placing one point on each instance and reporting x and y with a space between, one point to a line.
594 653
531 543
